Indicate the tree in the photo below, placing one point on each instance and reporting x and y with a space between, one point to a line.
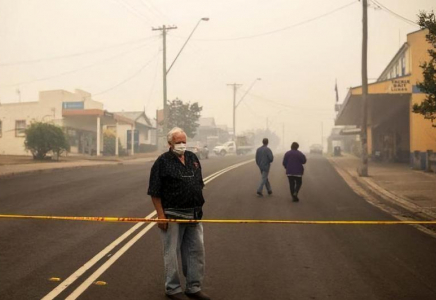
427 108
257 136
185 116
42 138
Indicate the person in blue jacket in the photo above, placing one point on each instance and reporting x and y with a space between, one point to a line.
293 162
264 158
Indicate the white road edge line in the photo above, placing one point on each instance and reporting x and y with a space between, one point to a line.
78 291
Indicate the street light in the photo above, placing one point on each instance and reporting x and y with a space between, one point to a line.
165 71
251 86
236 105
189 37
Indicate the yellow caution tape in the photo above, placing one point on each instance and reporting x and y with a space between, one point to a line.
154 220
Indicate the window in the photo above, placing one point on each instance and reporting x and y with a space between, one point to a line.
20 127
403 66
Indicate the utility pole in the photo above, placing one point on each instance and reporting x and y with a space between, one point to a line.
235 88
322 136
235 105
164 30
363 171
19 95
284 147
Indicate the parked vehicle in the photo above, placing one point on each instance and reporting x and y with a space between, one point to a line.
197 148
239 147
316 148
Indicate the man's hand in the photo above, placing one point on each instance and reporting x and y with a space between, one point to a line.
160 213
163 225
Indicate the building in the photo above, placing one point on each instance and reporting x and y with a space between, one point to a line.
394 132
344 137
211 134
144 133
82 119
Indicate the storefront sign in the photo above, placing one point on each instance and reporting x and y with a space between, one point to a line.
73 105
399 86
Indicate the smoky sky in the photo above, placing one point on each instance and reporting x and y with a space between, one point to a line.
298 48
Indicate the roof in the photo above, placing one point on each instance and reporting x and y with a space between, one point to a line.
138 116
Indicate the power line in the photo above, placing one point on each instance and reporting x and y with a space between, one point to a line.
75 70
152 86
151 8
127 79
133 11
286 105
280 29
380 5
74 54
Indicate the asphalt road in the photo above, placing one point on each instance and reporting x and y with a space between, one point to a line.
244 261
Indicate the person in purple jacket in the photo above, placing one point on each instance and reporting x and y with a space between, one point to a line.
293 163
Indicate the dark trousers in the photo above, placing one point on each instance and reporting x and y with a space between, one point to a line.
295 183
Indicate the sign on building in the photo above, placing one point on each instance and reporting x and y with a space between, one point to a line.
73 105
399 86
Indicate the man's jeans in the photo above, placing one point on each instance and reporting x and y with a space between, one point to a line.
264 181
188 239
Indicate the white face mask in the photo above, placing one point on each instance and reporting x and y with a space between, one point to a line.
179 149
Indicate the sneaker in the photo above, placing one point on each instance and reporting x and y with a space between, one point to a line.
270 192
295 198
198 295
259 194
178 296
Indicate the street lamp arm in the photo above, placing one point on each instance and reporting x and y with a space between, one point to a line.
189 37
251 86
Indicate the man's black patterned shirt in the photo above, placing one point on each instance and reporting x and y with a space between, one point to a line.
177 185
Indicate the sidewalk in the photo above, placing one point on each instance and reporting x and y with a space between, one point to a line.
14 165
412 190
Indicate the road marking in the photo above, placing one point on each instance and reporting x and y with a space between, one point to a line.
78 291
73 277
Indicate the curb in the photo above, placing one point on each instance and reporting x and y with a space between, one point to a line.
97 163
42 171
371 187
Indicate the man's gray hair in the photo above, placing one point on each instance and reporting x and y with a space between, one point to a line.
172 132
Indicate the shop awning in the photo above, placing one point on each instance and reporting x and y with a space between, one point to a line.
385 99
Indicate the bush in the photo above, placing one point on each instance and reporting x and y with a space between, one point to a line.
42 138
109 138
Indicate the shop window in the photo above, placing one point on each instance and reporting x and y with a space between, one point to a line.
20 128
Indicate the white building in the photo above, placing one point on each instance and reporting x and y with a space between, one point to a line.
144 133
82 119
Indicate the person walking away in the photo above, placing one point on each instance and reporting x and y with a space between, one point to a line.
293 162
264 158
176 185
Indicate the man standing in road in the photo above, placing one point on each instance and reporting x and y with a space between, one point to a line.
293 163
264 158
176 185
